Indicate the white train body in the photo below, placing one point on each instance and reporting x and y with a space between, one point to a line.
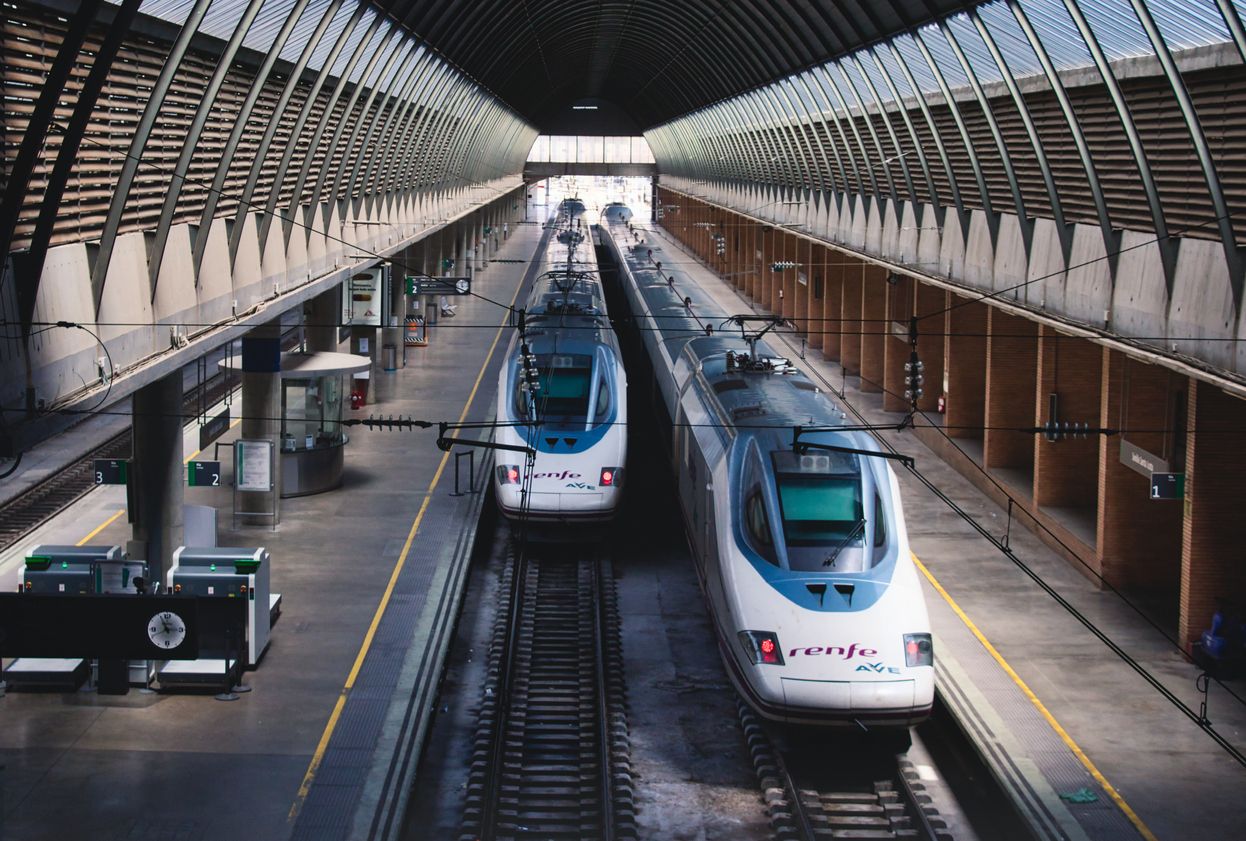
802 555
575 396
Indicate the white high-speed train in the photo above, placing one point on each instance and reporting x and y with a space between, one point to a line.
800 543
563 393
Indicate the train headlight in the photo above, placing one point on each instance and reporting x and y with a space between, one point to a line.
508 474
611 477
918 650
762 647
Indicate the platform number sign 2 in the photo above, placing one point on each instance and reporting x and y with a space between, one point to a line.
200 474
110 471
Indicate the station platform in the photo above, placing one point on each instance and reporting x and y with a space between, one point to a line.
1080 740
370 574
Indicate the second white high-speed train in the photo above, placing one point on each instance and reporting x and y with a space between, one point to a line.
563 393
799 538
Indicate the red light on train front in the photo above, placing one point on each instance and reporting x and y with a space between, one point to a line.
918 650
611 477
762 647
508 474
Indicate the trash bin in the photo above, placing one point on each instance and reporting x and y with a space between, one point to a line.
389 357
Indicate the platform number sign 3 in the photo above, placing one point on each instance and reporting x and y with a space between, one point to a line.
166 630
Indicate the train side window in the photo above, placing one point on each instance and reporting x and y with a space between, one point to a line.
880 522
757 523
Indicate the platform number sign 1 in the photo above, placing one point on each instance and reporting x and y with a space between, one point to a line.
1167 486
111 471
203 474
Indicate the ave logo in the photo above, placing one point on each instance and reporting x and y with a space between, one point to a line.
581 486
878 668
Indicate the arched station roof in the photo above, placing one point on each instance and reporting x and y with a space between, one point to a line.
655 58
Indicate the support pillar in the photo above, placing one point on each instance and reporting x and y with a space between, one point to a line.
965 361
261 406
157 482
322 316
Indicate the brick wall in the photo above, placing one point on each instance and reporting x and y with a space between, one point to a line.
966 368
1066 472
1011 379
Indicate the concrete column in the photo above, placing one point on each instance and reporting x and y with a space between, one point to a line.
158 482
1139 539
324 312
1011 388
261 405
873 326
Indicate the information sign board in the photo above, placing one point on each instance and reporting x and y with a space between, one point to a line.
253 465
1167 486
203 474
111 471
439 285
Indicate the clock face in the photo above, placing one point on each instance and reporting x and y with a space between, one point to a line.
166 630
462 285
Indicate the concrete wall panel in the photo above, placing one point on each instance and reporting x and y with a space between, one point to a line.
1011 260
930 241
1140 298
909 234
1202 304
176 298
951 262
874 227
1088 289
979 265
1045 273
124 305
249 285
890 244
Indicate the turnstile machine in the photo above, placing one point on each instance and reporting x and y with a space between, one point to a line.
227 573
56 568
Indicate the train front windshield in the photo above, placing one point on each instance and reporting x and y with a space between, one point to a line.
573 392
822 511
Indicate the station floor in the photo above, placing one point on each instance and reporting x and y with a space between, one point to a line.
1092 748
368 574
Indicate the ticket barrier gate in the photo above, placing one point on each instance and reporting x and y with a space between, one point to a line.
53 569
223 572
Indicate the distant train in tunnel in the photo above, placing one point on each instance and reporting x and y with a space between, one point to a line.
800 542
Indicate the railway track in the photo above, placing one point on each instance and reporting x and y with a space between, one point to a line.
839 788
550 756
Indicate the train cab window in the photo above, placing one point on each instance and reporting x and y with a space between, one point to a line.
820 509
757 525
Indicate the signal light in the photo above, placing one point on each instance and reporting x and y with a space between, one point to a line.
918 650
611 477
762 647
508 474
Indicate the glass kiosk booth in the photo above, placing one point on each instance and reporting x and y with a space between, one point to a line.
312 440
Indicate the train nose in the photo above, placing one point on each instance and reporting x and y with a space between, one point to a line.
854 695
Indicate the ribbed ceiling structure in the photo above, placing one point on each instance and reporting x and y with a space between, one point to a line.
655 58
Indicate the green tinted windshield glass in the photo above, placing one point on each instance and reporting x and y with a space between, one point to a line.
566 391
819 509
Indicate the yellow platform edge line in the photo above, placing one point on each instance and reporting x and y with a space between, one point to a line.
1090 766
100 528
331 725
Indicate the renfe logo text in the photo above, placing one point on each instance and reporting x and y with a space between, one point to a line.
848 653
566 474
